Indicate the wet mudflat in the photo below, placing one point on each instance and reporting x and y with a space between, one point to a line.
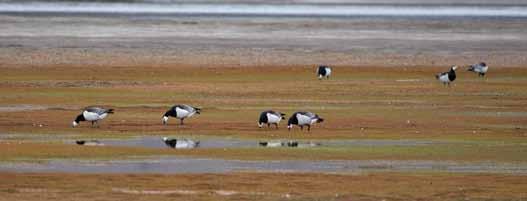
157 142
173 165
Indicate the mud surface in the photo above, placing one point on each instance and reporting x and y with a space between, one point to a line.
194 165
157 142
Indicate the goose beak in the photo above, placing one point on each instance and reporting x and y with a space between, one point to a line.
74 124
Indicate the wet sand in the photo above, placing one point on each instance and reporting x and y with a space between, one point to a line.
182 165
171 41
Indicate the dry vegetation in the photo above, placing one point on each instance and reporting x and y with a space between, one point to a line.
261 186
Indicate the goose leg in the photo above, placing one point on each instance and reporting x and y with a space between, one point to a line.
308 127
276 124
301 127
181 121
92 122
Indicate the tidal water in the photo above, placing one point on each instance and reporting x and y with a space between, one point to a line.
265 9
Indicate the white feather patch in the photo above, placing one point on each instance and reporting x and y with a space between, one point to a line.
272 118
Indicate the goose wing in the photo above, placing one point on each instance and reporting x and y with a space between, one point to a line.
278 114
184 107
97 110
309 114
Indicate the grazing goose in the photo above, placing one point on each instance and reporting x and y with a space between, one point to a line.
180 112
323 71
447 77
93 114
270 117
480 68
89 143
180 144
303 119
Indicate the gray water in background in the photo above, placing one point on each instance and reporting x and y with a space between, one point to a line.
266 9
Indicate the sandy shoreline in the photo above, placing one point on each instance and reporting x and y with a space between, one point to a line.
199 41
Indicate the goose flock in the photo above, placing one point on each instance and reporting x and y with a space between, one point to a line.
448 77
268 117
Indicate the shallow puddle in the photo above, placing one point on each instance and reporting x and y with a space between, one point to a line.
157 142
195 165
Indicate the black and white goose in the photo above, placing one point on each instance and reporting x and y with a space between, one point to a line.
180 112
447 77
303 119
180 144
270 117
323 72
480 68
92 114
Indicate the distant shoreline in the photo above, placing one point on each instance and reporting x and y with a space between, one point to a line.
268 10
48 39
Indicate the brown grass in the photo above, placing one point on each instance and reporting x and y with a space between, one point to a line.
261 186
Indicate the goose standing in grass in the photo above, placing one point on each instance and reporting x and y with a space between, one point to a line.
303 119
323 72
270 117
447 77
480 68
180 144
180 112
93 114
